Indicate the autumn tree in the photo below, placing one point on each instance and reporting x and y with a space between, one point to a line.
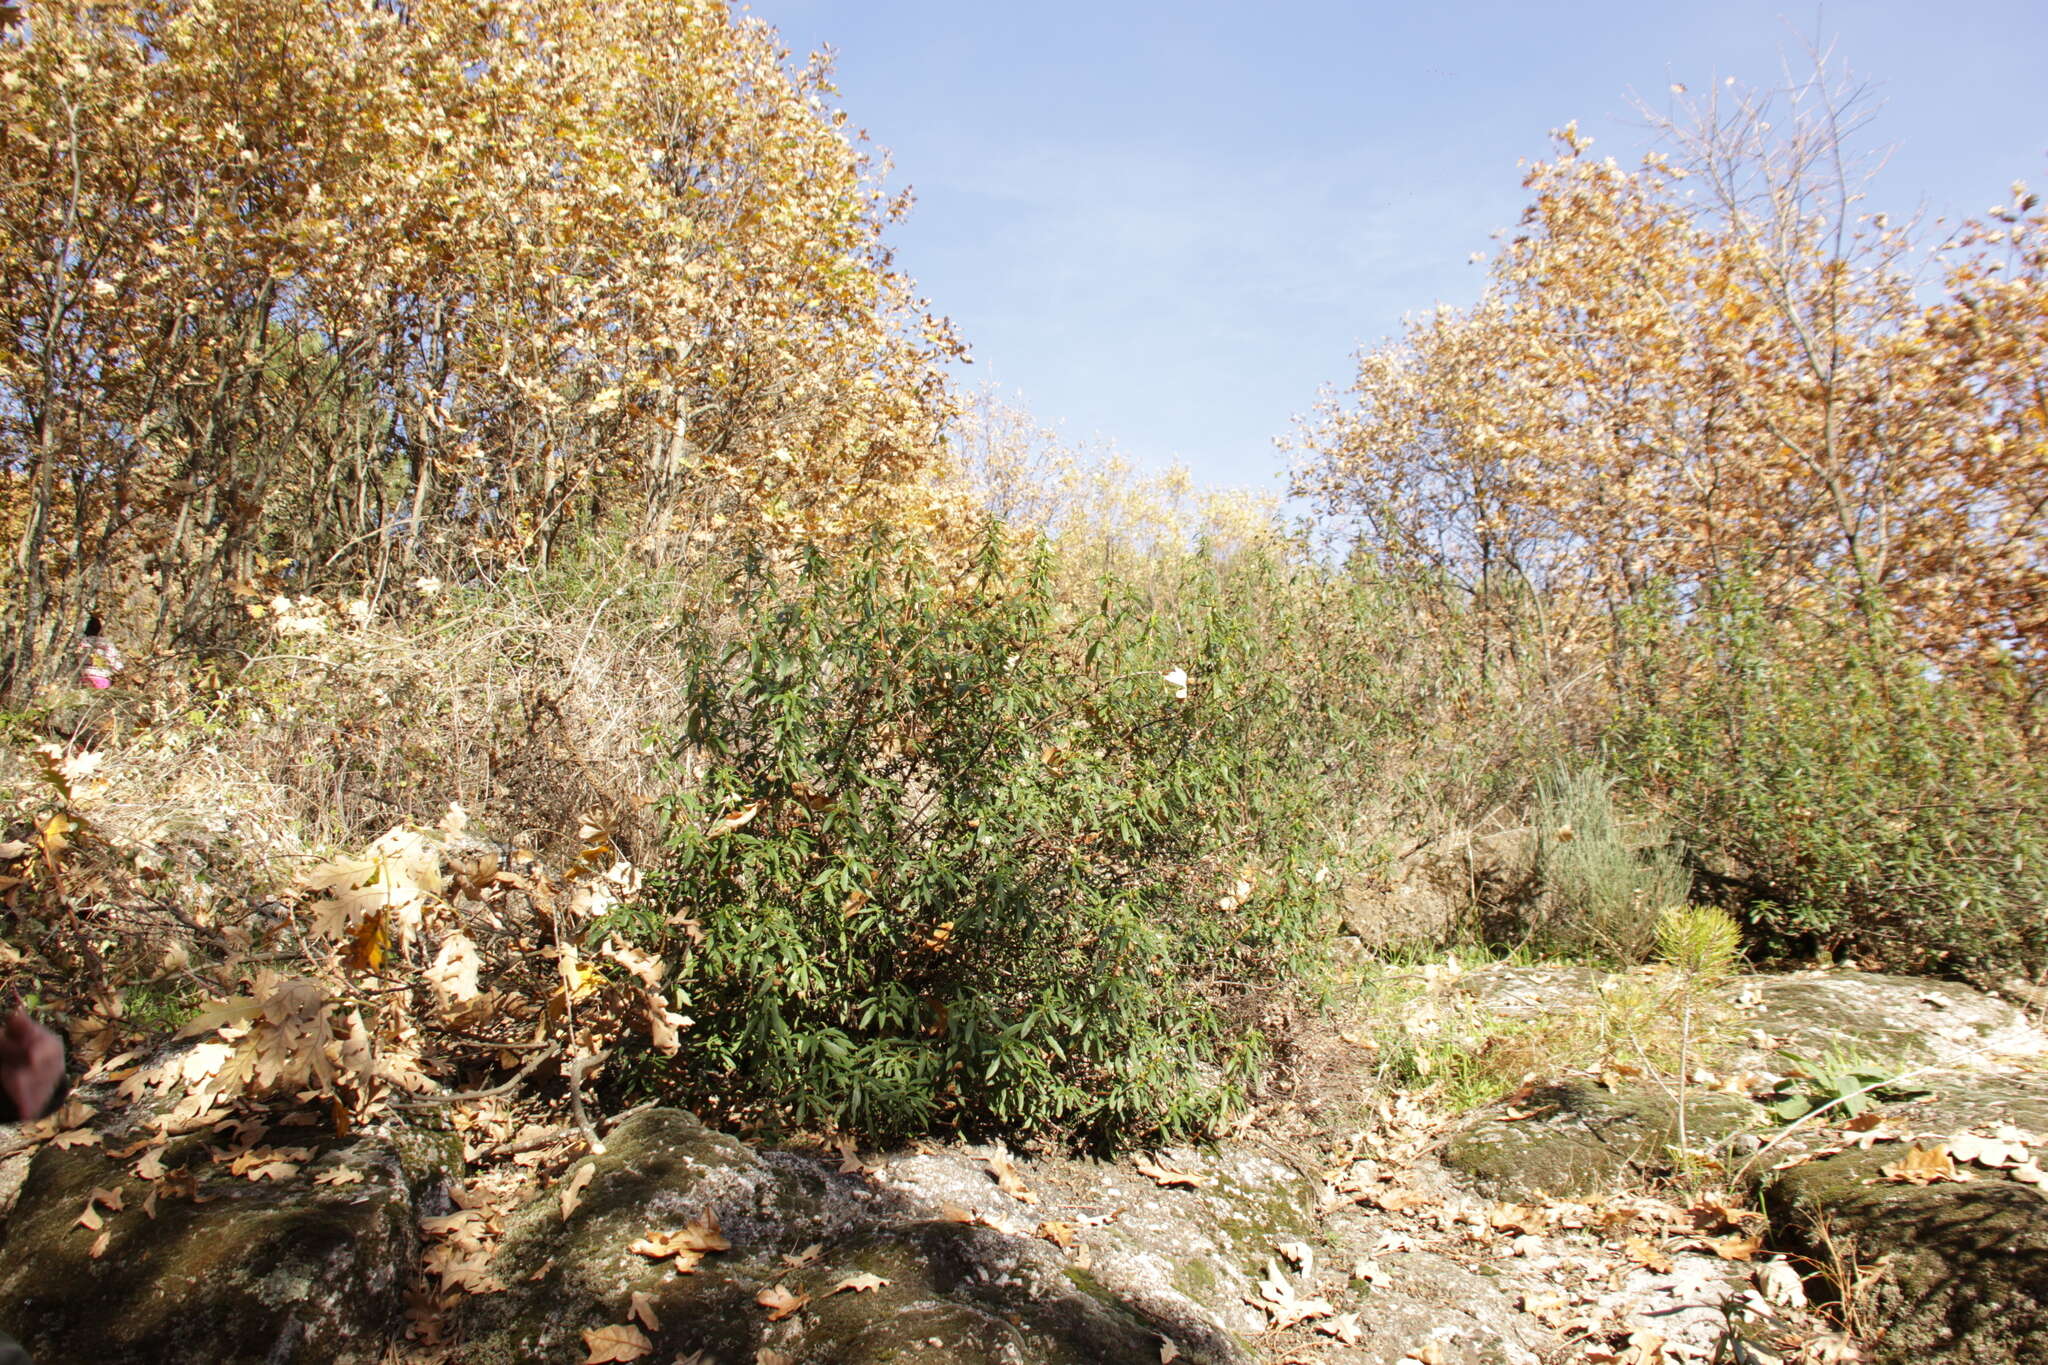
1714 363
303 291
1987 344
1106 512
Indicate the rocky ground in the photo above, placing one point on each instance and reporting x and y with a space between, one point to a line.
1350 1220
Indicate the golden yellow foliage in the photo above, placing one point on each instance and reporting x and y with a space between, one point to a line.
1100 505
296 289
1716 363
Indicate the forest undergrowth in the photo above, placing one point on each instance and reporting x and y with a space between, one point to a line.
445 656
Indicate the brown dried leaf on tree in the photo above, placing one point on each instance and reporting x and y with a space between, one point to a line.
1714 363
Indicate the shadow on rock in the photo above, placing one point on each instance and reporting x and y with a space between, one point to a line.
952 1291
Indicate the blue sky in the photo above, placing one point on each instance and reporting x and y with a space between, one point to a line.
1168 225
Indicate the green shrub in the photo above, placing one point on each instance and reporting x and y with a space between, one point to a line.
1603 893
1851 798
942 858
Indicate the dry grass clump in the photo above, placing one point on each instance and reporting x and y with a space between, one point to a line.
157 823
537 702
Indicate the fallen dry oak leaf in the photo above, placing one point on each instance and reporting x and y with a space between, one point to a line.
464 1223
1369 1271
1283 1306
1991 1152
1517 1218
1923 1166
1344 1327
1302 1255
798 1260
1397 1200
1644 1348
1646 1253
641 1310
1713 1211
1165 1176
1737 1247
572 1189
453 978
861 1283
1780 1284
780 1302
688 1244
1059 1234
1831 1348
90 1219
623 1342
1007 1179
76 1111
269 1163
462 1269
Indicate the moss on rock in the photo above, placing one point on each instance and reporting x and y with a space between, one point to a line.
1585 1139
955 1291
1965 1265
286 1272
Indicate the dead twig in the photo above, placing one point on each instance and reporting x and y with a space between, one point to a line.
574 1074
533 1064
